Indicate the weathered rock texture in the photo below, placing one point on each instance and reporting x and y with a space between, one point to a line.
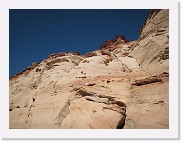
152 48
124 84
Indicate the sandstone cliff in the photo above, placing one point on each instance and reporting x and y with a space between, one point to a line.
124 84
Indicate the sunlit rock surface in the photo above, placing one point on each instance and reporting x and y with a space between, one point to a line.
123 84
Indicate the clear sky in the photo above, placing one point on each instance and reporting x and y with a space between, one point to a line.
34 34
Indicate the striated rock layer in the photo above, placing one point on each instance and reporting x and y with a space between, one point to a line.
124 84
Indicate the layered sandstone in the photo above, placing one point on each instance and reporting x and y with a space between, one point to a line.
124 84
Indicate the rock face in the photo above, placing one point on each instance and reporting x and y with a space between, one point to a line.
152 48
124 84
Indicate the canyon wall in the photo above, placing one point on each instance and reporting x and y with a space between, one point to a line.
123 84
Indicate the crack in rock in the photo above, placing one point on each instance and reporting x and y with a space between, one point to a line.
29 115
119 107
32 105
55 90
62 114
121 110
121 123
149 80
92 96
97 99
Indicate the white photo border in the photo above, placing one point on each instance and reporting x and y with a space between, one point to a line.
171 133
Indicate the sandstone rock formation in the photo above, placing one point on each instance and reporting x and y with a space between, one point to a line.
124 84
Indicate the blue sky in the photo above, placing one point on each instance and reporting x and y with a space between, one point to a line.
34 34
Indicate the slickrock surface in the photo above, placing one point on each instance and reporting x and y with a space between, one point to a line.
124 84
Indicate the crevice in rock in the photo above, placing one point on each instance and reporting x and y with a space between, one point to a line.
121 110
108 81
63 114
121 123
32 105
82 77
84 93
18 106
29 114
33 99
164 74
159 102
119 103
146 81
113 104
91 84
55 91
92 96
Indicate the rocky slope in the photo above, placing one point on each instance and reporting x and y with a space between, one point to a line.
122 85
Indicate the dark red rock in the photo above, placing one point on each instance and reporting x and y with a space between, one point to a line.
106 44
120 37
113 42
62 54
